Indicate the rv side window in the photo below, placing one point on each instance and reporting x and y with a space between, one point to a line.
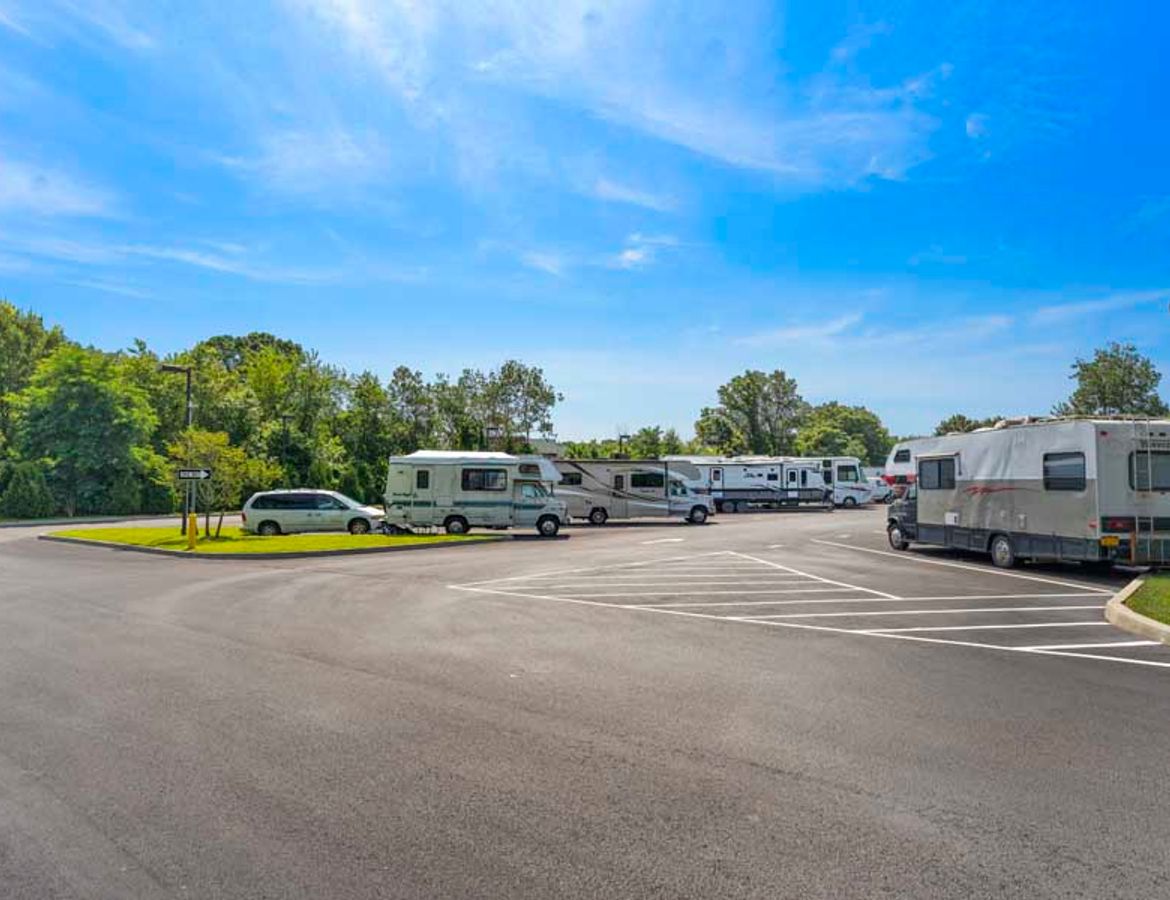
772 476
571 478
647 480
902 455
1064 471
847 473
529 469
792 476
936 474
485 480
422 479
716 474
1149 472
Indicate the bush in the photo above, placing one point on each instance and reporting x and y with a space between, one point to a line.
27 496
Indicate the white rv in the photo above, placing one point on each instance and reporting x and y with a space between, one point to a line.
737 483
604 489
458 490
845 475
1095 490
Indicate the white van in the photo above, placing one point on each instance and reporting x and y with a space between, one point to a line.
604 489
460 490
303 509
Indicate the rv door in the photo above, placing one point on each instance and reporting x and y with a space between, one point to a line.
422 499
619 504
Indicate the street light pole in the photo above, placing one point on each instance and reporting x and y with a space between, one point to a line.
189 487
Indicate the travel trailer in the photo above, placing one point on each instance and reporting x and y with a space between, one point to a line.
604 489
458 491
1094 489
845 475
738 483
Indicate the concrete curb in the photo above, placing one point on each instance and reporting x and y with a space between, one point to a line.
1120 615
305 554
91 520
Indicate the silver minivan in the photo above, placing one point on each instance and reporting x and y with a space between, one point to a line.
303 509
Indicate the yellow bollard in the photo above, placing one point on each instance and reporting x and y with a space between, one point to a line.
192 530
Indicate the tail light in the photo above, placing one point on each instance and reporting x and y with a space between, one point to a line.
243 516
1119 523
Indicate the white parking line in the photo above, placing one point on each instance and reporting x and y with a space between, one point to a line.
775 546
1092 646
921 612
665 541
987 570
850 587
680 593
732 582
999 627
886 600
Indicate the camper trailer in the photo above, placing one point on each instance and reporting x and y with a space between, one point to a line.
736 484
604 489
846 477
1094 490
457 491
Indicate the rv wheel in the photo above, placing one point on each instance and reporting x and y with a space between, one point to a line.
849 502
1003 554
456 525
698 515
897 537
548 526
598 516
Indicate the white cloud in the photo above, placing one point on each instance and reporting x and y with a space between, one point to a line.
811 331
1078 309
549 263
606 189
231 265
78 19
640 251
112 287
43 191
314 162
976 126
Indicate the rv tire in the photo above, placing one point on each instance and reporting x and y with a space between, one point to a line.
1003 553
849 502
598 516
897 537
698 515
548 526
456 525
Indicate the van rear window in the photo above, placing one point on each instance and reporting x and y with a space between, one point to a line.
485 480
902 455
1149 471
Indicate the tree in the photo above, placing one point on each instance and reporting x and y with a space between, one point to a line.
24 342
92 425
412 410
1116 381
645 443
27 496
960 424
234 473
834 429
757 413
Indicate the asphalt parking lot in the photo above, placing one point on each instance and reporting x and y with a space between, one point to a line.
768 706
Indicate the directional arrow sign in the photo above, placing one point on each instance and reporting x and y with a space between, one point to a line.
194 474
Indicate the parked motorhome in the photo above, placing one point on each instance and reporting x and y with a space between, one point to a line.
604 489
1095 490
846 477
738 483
458 491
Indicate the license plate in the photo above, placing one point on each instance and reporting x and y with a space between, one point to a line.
1110 540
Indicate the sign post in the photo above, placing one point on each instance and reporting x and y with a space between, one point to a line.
191 479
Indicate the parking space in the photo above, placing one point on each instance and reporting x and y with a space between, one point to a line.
858 590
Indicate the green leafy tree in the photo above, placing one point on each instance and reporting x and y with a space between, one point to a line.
234 474
27 495
412 410
1118 380
834 429
757 413
960 424
645 443
24 342
92 425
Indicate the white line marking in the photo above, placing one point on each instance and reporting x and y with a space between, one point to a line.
775 546
954 565
885 600
980 627
1092 646
665 541
690 584
682 592
644 562
921 612
1120 659
850 587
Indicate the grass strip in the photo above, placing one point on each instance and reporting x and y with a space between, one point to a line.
234 540
1152 599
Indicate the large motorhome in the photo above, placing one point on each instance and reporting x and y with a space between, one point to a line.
1095 490
458 491
737 483
604 489
845 475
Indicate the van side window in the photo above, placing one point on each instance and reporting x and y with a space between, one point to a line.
1064 471
647 480
485 480
902 455
422 479
936 474
571 478
1149 472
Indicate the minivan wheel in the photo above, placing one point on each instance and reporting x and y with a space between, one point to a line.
897 537
1003 554
359 526
598 516
456 525
698 515
548 526
268 529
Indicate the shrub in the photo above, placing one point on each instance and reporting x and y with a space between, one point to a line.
27 496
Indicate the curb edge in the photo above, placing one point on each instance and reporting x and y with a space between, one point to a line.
1121 616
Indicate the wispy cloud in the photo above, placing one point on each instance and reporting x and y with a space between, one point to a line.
543 261
45 191
640 251
1060 313
777 337
607 189
112 287
78 19
313 162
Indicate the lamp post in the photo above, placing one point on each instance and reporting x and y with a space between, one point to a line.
186 370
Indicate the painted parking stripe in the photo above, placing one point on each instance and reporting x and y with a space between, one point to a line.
562 585
665 541
1092 646
705 593
1000 627
987 570
951 599
923 612
851 587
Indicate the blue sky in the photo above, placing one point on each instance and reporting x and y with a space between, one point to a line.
921 207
